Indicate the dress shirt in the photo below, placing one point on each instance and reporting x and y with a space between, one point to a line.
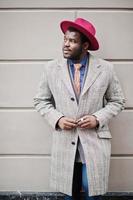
83 63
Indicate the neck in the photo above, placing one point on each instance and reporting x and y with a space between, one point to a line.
78 60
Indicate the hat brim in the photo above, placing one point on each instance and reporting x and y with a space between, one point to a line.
94 45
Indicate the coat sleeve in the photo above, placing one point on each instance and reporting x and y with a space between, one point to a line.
44 101
114 100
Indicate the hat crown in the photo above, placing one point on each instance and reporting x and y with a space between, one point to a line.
85 27
86 24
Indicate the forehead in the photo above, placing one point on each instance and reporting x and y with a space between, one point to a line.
72 34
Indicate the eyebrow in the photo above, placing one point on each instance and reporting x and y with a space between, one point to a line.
65 37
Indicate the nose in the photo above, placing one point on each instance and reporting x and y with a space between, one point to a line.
66 43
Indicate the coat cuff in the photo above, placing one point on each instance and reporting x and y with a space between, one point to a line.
100 120
52 117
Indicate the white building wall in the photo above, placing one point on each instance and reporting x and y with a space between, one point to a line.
29 36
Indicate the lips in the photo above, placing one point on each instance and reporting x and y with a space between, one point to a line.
66 50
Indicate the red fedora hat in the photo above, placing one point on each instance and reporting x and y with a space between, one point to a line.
84 27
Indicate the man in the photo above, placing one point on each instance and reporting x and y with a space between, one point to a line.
78 95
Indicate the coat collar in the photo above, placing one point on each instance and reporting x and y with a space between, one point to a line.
93 72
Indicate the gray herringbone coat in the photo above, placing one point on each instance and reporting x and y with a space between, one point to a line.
102 97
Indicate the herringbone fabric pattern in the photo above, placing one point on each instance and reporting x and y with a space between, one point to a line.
101 83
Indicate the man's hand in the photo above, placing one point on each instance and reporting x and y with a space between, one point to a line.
66 123
87 121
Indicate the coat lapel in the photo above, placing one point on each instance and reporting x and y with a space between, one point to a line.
92 73
65 76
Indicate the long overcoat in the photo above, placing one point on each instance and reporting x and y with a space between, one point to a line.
101 96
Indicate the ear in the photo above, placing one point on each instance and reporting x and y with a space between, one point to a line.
86 46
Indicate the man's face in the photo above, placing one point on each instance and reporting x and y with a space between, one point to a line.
72 46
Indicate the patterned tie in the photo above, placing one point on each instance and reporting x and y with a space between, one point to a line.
77 78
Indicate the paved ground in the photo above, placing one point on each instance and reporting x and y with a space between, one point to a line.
56 196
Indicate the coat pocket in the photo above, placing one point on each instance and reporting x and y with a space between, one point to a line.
104 134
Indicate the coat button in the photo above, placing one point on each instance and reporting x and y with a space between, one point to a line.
73 143
72 99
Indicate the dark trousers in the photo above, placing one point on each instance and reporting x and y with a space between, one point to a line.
80 183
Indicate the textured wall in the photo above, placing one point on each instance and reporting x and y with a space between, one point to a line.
30 36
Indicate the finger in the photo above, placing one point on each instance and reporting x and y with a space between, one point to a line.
85 125
85 117
71 120
71 124
78 120
84 121
68 128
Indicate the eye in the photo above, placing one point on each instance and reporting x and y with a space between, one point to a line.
73 40
65 39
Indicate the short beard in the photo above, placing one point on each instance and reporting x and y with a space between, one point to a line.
75 57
